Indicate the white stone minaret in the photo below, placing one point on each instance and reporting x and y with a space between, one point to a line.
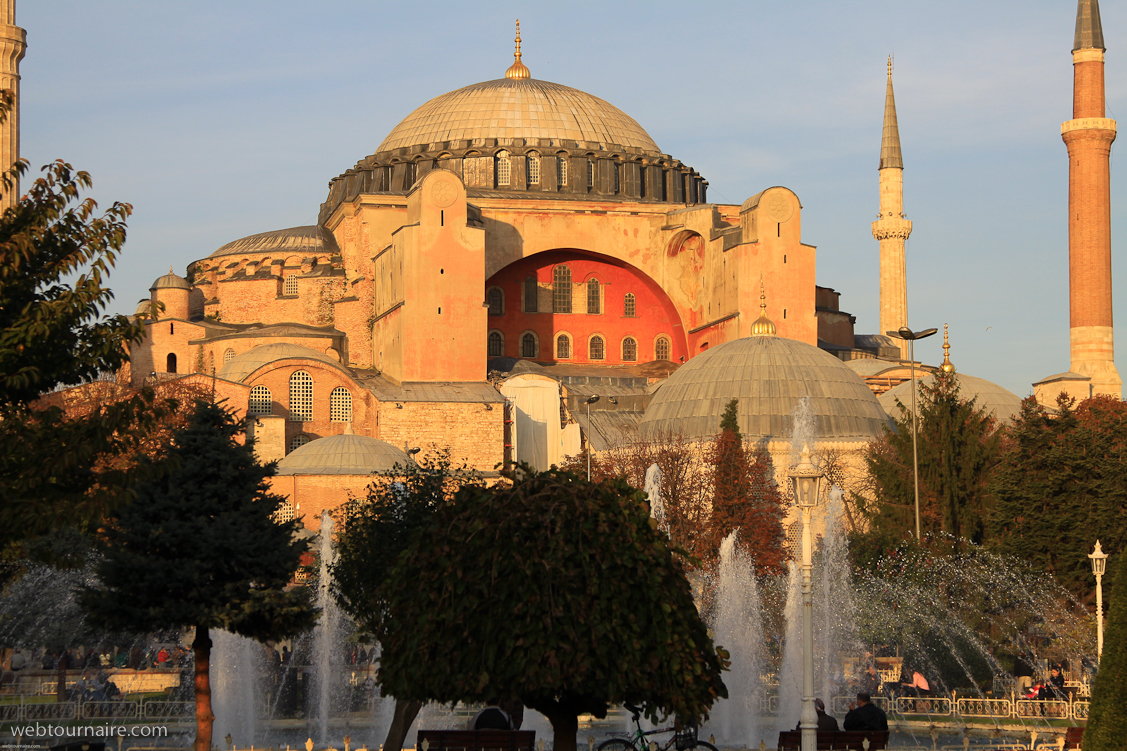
13 42
892 229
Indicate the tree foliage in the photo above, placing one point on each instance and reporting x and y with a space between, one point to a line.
1107 718
555 591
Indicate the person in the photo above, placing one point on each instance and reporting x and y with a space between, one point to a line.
1054 687
825 721
1023 674
864 715
870 682
491 718
917 685
19 662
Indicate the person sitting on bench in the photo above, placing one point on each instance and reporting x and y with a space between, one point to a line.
491 718
825 721
864 715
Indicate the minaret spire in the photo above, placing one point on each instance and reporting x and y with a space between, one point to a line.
1089 30
890 155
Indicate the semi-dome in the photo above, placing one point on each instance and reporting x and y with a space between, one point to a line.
1001 403
510 108
171 280
768 375
312 240
346 454
241 366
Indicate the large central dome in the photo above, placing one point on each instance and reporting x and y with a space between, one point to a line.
518 108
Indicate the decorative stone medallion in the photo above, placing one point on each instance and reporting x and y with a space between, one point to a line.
779 208
443 193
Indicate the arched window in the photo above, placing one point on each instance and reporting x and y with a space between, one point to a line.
261 403
301 396
495 298
563 347
597 348
629 349
504 168
534 169
661 349
340 405
593 302
170 363
228 355
496 344
561 171
590 173
617 179
531 293
298 441
290 286
629 305
528 345
561 289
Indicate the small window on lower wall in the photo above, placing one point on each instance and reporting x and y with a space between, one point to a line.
340 405
496 344
298 441
563 347
629 349
528 345
597 348
661 349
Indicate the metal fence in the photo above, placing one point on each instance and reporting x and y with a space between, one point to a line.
156 709
970 707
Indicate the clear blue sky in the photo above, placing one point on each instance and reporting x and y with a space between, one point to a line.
217 120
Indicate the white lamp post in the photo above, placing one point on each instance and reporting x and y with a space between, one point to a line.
805 481
911 337
1099 565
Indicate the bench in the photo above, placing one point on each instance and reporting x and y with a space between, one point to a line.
477 740
1074 737
791 740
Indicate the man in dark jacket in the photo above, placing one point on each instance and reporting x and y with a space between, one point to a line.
864 715
825 721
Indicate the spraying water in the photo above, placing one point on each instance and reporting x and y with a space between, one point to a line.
327 652
235 665
653 493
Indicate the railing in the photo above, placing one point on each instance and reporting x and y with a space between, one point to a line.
985 707
930 705
109 710
160 709
1042 708
65 710
10 712
953 706
840 704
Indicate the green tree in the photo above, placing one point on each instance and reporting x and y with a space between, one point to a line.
959 447
200 547
1061 487
1107 718
556 591
374 532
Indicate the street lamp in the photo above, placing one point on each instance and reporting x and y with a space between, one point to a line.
805 480
911 337
1099 565
590 433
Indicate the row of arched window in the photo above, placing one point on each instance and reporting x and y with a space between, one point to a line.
301 400
532 169
561 296
596 347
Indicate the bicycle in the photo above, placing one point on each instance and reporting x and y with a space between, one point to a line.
682 740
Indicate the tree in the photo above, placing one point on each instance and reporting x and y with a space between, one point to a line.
374 532
555 591
1061 487
200 547
1107 717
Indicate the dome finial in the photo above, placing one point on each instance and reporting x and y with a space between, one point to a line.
517 69
763 325
947 366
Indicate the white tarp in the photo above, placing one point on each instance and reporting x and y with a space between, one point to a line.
536 419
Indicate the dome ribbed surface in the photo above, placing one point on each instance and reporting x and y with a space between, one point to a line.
518 108
315 240
171 281
768 375
243 365
342 455
1002 403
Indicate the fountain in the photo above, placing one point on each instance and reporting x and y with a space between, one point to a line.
653 493
328 662
236 665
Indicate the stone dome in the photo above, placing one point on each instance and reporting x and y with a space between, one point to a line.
768 375
171 280
312 240
241 366
509 108
343 455
1002 404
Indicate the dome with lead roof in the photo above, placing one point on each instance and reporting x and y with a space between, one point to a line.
346 454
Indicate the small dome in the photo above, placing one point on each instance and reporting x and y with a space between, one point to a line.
171 280
768 375
241 366
343 455
1002 404
313 240
143 307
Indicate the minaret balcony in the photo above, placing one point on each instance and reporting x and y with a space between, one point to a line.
1088 123
887 228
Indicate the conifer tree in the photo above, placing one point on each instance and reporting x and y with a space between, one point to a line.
1107 717
199 547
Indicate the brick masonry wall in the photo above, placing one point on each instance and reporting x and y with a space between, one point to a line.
474 434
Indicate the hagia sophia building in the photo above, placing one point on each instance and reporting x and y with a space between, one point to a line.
519 271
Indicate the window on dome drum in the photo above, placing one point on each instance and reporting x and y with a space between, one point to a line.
170 363
290 287
590 174
629 349
410 170
593 306
528 345
531 293
661 349
597 349
301 396
298 441
495 298
561 289
340 405
504 168
561 171
496 344
228 356
563 347
261 402
629 305
533 169
617 171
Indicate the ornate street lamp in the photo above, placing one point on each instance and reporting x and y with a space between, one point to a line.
590 432
806 480
911 337
1099 565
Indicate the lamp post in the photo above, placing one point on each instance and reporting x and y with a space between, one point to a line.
1099 565
590 432
911 337
805 480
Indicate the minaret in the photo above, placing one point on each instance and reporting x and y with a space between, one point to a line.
13 42
1088 137
892 229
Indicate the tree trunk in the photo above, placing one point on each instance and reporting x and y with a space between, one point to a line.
565 726
204 717
405 714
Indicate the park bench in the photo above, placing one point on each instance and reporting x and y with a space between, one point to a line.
791 740
477 740
1074 737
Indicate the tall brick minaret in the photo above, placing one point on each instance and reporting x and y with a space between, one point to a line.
892 229
13 42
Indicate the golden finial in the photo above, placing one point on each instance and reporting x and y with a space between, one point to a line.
763 326
890 66
517 69
946 367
